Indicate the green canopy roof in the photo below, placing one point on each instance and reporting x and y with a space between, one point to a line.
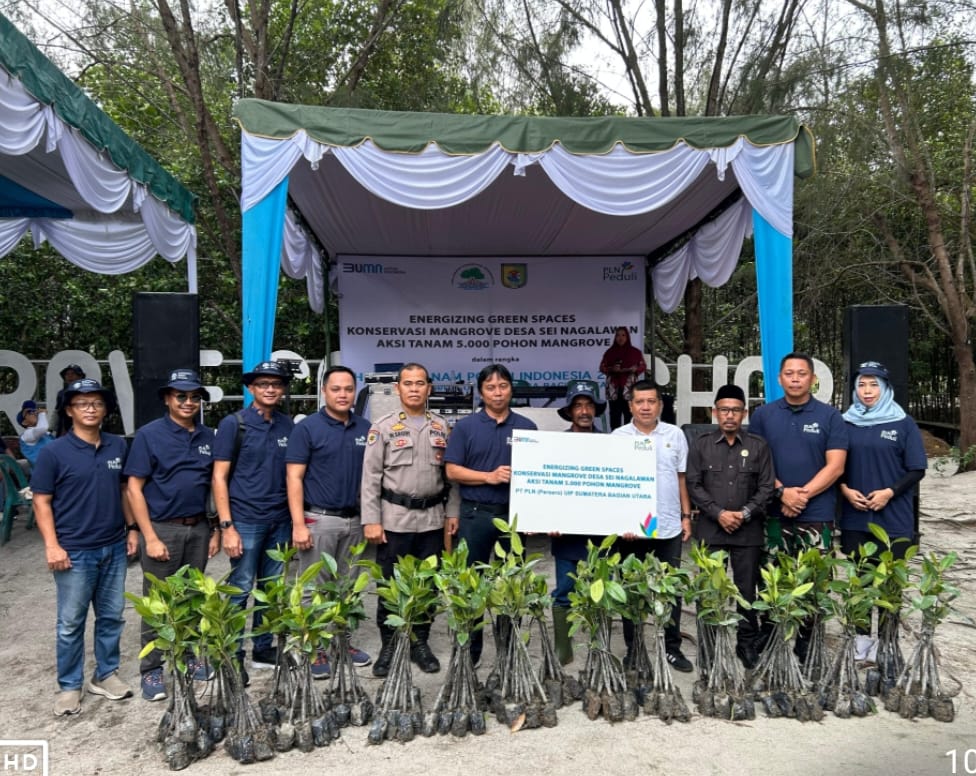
406 132
20 58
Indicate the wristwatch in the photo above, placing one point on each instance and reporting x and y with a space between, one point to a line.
131 527
746 514
778 492
225 524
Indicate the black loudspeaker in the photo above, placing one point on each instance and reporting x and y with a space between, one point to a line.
166 336
877 333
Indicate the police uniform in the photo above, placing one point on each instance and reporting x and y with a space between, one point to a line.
404 490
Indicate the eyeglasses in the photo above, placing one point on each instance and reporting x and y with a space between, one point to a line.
88 405
264 385
729 410
188 398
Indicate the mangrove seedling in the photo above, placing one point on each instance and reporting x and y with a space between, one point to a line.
663 588
721 689
819 568
852 601
300 614
596 600
411 599
777 681
463 592
518 698
891 578
918 691
171 610
345 695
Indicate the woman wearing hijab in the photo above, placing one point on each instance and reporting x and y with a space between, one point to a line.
885 461
622 364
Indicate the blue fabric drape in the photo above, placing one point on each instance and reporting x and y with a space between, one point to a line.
774 282
262 227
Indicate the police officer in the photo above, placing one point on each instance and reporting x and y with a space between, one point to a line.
403 496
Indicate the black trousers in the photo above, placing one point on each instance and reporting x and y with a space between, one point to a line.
400 545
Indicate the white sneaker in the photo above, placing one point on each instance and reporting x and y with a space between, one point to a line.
865 649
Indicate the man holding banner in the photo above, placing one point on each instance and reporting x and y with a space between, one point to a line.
672 524
479 460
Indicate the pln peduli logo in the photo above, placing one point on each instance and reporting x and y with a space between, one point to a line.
649 526
515 275
472 277
623 272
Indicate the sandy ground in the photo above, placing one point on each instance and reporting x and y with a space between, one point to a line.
117 737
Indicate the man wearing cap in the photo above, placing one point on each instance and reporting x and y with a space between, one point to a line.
250 494
403 497
731 479
169 471
35 434
84 520
808 441
324 470
581 410
70 374
672 524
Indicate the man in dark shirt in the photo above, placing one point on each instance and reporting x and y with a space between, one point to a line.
730 479
169 470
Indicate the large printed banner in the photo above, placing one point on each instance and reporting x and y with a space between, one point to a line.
548 319
584 483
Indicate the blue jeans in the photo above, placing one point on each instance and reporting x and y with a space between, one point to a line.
96 578
255 567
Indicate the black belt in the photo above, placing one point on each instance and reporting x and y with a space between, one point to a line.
340 512
410 502
498 509
191 520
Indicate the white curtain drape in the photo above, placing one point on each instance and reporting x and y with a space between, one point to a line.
616 183
103 244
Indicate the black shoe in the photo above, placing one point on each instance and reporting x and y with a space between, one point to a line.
245 678
746 652
421 655
680 663
382 665
264 658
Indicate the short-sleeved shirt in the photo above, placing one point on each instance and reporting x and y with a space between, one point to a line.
407 458
85 485
332 452
879 456
481 443
672 460
723 476
799 438
176 464
258 493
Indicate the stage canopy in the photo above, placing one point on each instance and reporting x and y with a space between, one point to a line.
72 178
684 192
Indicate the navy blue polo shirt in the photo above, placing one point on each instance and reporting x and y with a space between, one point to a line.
481 443
257 486
878 458
85 484
799 440
333 453
177 466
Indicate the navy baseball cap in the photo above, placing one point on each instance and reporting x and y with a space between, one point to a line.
183 380
72 368
580 389
87 385
874 369
27 406
267 369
